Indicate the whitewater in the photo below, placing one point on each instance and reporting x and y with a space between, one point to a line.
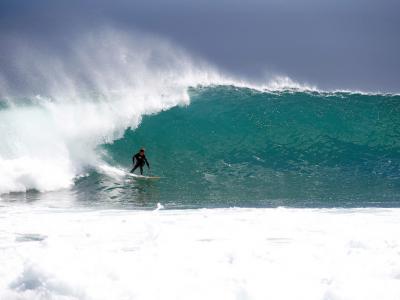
215 254
268 189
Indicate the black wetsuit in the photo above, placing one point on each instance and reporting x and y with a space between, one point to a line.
140 161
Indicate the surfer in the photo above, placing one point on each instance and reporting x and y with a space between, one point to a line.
140 161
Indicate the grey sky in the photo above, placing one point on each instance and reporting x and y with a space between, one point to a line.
353 44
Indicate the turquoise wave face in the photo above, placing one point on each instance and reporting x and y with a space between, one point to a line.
240 147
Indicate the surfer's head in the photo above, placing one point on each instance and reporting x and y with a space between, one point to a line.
141 150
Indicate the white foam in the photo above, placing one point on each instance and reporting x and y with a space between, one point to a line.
200 254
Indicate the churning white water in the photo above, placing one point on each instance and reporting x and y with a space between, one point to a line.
200 254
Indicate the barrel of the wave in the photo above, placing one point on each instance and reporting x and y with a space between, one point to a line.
237 146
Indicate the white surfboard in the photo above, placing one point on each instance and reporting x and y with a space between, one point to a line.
143 177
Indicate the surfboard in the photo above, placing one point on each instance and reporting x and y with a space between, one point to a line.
148 177
143 177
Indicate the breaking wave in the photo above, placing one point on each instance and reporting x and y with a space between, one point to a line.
68 117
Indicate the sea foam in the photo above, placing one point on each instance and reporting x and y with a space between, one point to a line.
200 254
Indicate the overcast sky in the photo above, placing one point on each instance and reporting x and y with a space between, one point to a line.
336 44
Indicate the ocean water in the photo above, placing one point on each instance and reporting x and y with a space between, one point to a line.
275 190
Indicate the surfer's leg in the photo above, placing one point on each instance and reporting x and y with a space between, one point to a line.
135 167
141 170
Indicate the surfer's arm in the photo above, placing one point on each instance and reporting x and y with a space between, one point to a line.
147 163
133 159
